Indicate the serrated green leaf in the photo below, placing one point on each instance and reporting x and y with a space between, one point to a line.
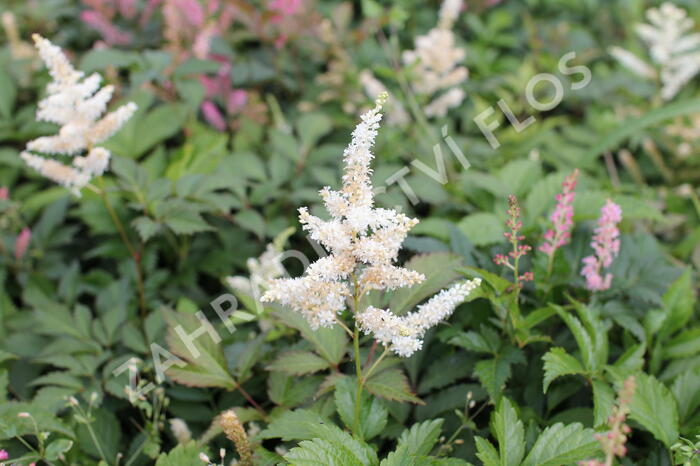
330 343
583 339
182 455
293 425
373 414
510 433
603 400
298 363
559 444
391 384
686 391
207 368
422 437
186 222
146 227
679 301
558 363
494 373
331 446
486 452
654 407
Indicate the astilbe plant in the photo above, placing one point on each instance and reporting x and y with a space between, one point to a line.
672 47
77 105
512 260
364 243
435 62
562 220
606 244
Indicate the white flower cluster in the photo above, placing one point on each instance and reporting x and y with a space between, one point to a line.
436 63
403 333
262 271
671 47
364 243
76 104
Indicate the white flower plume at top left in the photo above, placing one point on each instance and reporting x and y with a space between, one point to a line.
77 104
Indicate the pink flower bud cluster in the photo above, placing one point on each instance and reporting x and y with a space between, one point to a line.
606 244
514 238
562 218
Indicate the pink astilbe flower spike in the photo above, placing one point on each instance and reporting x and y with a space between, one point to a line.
4 193
22 243
4 455
515 238
613 441
213 115
562 218
606 244
111 34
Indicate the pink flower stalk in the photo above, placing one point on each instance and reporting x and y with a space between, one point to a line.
4 455
514 237
285 7
191 10
111 34
562 218
22 243
213 115
613 442
606 244
4 193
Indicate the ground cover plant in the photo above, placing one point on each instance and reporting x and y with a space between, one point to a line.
346 233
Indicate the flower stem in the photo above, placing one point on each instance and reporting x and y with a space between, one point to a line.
358 370
125 239
374 366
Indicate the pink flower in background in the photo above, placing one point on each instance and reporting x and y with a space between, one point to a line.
111 34
127 8
22 243
236 100
213 115
4 455
191 10
4 193
606 244
562 218
202 41
285 7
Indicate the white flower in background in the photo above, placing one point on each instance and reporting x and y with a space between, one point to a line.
76 104
396 114
436 62
262 270
674 50
364 243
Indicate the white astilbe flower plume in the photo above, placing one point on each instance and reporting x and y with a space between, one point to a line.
76 104
435 63
672 47
364 243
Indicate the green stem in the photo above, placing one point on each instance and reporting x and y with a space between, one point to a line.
97 444
374 366
358 370
125 239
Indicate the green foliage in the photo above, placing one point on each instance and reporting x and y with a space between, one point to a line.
229 142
